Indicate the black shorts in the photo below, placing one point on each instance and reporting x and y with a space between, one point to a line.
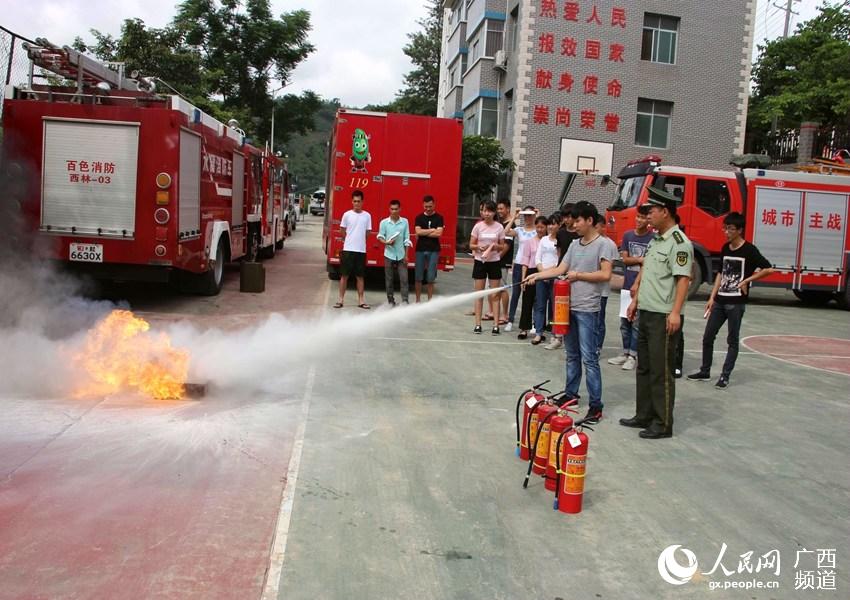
353 263
487 270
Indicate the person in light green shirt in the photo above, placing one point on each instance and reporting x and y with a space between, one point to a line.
662 288
394 233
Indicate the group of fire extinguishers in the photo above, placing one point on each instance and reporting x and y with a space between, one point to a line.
547 437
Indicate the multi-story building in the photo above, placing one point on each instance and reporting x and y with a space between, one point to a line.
575 89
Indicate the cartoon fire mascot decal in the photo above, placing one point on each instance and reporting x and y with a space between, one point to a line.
360 156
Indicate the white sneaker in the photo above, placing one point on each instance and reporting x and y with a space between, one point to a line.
554 344
532 331
618 360
629 364
508 326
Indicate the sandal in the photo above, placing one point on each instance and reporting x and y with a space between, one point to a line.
538 339
487 317
522 335
338 305
503 321
364 306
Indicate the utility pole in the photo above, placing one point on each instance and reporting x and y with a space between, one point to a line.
789 10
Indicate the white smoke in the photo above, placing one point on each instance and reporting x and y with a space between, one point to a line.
249 357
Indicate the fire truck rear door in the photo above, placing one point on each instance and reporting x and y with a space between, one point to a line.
189 190
89 177
776 225
824 227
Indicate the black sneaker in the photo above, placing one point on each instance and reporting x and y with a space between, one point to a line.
722 382
477 329
495 331
677 373
594 415
700 376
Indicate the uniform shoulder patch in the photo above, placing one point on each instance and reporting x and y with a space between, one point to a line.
678 237
681 258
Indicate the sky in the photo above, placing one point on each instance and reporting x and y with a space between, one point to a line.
358 56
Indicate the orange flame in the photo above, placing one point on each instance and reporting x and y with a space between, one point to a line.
120 354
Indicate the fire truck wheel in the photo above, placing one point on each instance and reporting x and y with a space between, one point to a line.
813 297
267 252
698 278
844 296
212 281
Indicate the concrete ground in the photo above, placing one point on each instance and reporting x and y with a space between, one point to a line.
403 481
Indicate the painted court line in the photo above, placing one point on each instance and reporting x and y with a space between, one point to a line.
271 586
791 362
278 553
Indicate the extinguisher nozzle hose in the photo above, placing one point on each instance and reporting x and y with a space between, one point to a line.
517 451
555 504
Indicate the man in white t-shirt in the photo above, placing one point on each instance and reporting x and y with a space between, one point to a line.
355 224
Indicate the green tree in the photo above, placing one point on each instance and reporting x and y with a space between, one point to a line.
244 50
224 58
805 76
482 162
422 84
152 52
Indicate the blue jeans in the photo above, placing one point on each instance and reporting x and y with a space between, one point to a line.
425 270
542 300
600 323
516 291
629 333
582 350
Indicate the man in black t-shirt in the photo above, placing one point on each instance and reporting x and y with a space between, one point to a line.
428 228
742 265
566 234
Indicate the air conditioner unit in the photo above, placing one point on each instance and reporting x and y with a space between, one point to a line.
501 60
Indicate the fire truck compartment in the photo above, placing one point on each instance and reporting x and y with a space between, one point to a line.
89 177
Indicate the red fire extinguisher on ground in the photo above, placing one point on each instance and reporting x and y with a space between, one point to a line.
560 423
528 400
539 436
561 316
571 466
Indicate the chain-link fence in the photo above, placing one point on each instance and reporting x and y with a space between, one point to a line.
14 63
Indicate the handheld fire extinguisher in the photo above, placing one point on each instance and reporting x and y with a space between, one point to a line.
540 434
529 400
561 312
560 423
571 467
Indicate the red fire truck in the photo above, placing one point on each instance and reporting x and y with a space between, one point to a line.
124 183
391 156
798 221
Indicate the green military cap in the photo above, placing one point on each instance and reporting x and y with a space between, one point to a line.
659 197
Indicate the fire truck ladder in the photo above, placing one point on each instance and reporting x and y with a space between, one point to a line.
70 64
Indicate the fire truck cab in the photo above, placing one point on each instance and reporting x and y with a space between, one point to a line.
798 221
120 182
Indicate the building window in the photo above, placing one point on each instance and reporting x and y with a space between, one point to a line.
470 122
659 38
653 123
495 37
474 51
452 78
463 63
489 117
713 196
514 28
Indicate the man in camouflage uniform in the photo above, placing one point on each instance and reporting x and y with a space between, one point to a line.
662 290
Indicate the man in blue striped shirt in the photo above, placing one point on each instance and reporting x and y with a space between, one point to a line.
394 233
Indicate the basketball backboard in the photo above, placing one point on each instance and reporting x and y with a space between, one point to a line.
585 156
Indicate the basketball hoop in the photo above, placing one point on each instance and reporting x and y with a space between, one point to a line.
589 177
